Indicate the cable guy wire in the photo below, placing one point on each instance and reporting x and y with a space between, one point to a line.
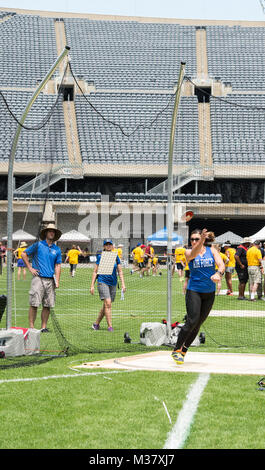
46 118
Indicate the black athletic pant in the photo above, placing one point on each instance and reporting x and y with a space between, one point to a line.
198 306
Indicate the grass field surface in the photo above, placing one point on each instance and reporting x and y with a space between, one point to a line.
53 406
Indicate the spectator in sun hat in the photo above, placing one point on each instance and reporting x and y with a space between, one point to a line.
46 271
242 266
107 286
20 263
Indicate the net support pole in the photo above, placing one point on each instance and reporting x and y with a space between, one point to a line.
10 183
170 215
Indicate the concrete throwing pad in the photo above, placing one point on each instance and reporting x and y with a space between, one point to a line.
214 363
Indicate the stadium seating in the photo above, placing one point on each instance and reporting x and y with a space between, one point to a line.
238 132
47 145
236 55
134 67
59 196
31 54
130 55
101 142
162 197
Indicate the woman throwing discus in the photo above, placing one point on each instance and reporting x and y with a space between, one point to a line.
200 294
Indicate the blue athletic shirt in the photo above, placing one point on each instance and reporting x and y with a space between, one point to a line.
201 270
109 279
44 257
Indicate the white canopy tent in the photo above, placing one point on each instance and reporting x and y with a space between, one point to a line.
232 237
260 235
21 235
74 236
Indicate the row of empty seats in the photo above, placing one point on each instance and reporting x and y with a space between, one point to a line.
238 129
149 115
163 197
28 45
236 55
130 55
58 196
46 145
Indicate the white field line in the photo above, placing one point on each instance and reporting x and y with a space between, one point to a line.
117 312
63 376
180 431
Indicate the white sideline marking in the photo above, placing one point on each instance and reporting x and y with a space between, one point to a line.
178 435
63 376
238 313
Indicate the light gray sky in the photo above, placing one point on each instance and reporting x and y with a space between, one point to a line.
246 10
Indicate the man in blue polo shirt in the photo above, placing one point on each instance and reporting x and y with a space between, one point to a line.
46 271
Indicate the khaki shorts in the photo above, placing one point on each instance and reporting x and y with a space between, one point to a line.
42 291
254 274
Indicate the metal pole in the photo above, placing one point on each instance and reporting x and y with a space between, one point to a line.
10 188
170 216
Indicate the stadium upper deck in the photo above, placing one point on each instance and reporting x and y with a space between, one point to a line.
128 69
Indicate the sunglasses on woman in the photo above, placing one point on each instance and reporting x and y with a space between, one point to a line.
194 239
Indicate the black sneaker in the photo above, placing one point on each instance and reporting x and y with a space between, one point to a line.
44 330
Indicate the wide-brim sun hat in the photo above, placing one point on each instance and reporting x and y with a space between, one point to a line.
44 231
247 240
23 245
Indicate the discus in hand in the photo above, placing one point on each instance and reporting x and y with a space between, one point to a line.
187 216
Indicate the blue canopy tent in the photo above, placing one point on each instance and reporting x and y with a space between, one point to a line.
160 238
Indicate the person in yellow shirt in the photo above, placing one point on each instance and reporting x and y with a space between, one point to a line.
230 266
154 265
180 261
138 258
20 263
72 257
255 269
118 250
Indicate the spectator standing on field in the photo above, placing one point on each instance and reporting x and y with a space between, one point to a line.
148 256
230 266
261 285
242 267
20 263
72 257
119 251
180 261
255 268
138 258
